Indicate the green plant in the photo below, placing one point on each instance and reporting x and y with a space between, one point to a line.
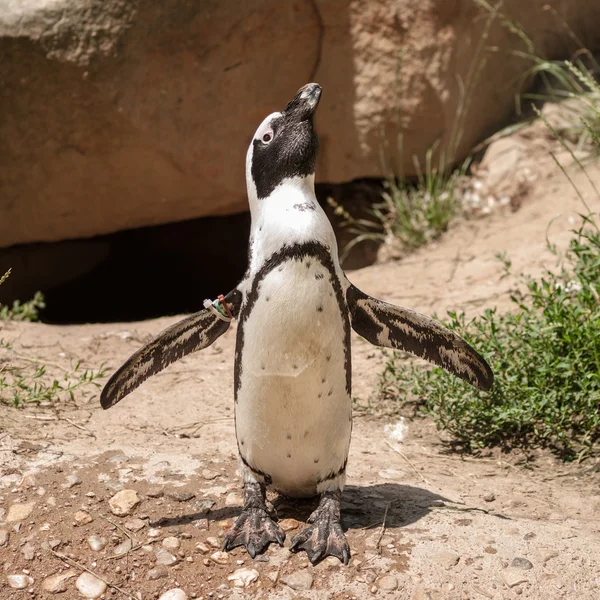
24 379
22 311
546 358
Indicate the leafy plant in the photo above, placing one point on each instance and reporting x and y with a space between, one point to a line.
546 358
22 311
24 379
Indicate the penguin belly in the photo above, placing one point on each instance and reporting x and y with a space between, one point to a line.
293 411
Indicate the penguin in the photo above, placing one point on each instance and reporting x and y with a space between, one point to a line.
292 374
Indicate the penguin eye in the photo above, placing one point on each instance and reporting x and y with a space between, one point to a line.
267 137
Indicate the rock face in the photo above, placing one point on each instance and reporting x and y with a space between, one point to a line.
119 114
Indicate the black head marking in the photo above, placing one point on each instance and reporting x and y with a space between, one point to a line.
289 147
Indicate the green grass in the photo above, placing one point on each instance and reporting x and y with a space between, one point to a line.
546 358
27 380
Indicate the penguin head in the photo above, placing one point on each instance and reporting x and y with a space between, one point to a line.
285 145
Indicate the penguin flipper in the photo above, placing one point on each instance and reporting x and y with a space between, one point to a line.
193 333
392 326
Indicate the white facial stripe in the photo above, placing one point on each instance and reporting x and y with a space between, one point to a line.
265 125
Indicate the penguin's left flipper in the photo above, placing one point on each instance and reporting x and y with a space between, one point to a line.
392 326
196 332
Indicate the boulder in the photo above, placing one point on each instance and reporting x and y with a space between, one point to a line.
119 114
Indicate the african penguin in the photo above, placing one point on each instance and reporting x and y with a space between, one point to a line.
292 376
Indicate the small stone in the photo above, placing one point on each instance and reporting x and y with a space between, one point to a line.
171 543
28 551
154 533
174 594
521 563
55 584
243 577
135 524
445 558
209 475
71 481
123 502
544 555
96 543
123 548
273 576
19 512
90 586
202 548
214 542
164 558
4 537
388 583
157 573
204 505
180 495
54 543
19 582
233 499
300 581
489 497
201 524
288 524
512 577
82 518
221 558
155 492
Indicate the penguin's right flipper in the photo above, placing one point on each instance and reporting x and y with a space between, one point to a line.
392 326
194 333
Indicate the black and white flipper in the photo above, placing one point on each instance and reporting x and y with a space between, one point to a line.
392 326
196 332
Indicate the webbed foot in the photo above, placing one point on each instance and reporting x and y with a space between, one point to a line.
324 536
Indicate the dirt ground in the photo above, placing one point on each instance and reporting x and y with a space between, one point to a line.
423 523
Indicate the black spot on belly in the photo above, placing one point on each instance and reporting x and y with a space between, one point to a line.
308 264
262 367
242 442
319 276
289 455
306 433
330 392
323 380
316 461
319 395
320 309
294 366
289 436
328 358
267 298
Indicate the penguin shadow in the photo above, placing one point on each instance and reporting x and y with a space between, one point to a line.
362 507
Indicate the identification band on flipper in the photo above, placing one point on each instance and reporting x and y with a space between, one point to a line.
219 308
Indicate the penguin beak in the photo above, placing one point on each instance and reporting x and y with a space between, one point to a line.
304 104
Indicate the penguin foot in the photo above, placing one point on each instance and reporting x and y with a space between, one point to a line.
255 530
324 536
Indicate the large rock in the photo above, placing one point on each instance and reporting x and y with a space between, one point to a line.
119 113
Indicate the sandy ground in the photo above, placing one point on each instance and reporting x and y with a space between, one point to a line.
423 523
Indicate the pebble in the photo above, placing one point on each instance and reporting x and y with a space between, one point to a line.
71 481
171 543
164 558
233 499
28 551
157 573
243 577
214 542
521 563
489 497
221 558
512 577
300 581
19 582
153 533
288 524
202 548
123 548
4 537
544 555
123 502
96 543
54 543
174 594
82 518
90 586
209 475
19 512
445 558
55 584
180 495
204 505
135 524
388 583
156 492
